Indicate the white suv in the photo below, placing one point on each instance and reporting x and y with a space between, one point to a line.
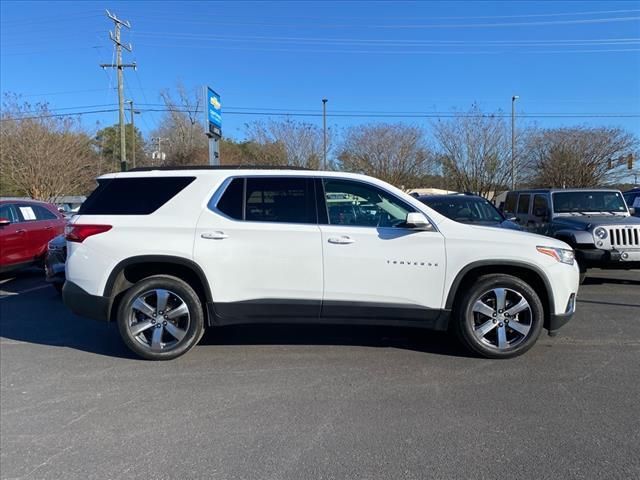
167 252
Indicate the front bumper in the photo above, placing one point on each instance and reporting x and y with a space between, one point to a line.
558 320
54 265
84 304
595 257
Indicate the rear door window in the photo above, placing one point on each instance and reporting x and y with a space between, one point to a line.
280 199
510 203
8 211
523 204
132 196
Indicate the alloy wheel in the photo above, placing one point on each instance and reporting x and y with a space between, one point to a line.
158 320
501 318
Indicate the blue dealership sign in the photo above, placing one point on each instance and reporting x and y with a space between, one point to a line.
214 113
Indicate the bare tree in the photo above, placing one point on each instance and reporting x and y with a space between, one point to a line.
182 127
285 142
578 156
396 153
41 155
474 151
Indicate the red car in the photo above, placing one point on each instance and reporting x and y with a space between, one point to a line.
26 226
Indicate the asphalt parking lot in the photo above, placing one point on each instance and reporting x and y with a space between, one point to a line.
318 402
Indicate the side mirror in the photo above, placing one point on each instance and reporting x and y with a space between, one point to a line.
514 219
417 220
632 210
4 221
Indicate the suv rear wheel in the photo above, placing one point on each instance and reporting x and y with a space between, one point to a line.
161 318
500 316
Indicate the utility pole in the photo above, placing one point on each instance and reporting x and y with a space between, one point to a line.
158 154
133 134
120 66
513 141
324 133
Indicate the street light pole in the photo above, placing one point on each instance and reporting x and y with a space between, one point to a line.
513 141
133 136
324 133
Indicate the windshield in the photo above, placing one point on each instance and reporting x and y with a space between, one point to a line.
588 201
465 209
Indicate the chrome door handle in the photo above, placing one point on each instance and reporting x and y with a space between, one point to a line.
214 235
343 240
21 231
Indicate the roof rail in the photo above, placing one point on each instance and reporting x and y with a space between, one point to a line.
220 167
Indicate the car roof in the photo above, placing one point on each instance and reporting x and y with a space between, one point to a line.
450 195
22 200
556 190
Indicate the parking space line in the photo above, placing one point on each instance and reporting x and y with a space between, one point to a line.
5 294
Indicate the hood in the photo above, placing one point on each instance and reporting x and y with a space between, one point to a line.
585 222
467 231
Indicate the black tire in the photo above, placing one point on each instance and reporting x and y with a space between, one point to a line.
467 321
179 291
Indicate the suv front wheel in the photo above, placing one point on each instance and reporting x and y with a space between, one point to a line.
161 318
500 316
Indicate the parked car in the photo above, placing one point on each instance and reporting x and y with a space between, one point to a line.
165 253
632 197
471 209
26 226
595 222
55 259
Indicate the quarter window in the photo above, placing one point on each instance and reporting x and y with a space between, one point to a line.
231 201
43 214
363 205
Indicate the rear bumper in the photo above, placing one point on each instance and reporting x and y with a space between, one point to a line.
84 304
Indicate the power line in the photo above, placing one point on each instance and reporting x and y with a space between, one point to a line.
392 52
435 26
55 115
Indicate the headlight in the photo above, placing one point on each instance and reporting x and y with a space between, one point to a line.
600 233
560 254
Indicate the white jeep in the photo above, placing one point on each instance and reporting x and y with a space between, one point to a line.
168 252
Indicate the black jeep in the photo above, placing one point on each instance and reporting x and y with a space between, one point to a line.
595 222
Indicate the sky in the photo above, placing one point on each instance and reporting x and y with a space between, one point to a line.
570 63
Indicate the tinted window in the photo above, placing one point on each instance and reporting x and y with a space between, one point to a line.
360 204
464 209
132 196
43 214
523 203
540 202
282 200
231 201
510 202
8 211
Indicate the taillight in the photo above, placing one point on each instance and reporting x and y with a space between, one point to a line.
78 232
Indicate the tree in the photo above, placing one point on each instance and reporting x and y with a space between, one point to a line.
577 156
41 155
285 142
474 150
396 153
181 129
107 142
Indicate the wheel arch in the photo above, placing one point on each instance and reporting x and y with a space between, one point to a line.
530 273
130 270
